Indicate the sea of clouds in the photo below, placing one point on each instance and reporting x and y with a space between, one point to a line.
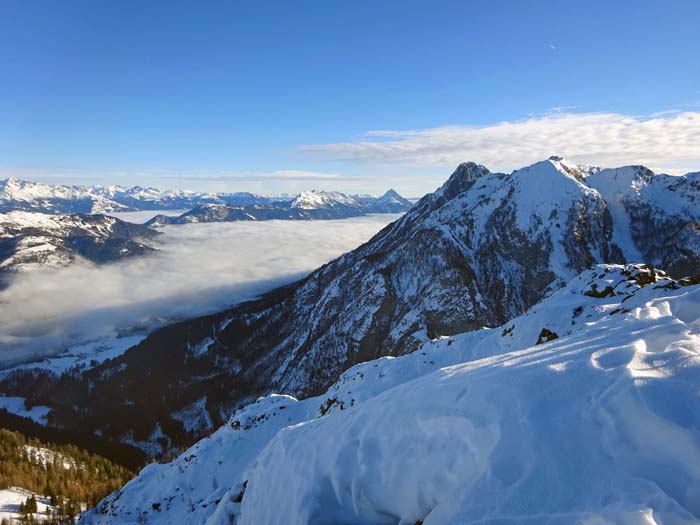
198 269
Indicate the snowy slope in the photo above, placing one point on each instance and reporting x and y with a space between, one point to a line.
12 497
29 240
19 195
476 253
595 425
16 405
655 217
322 199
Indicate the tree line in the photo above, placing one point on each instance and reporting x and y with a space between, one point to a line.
71 478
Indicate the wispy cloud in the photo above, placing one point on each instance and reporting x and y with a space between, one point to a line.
668 141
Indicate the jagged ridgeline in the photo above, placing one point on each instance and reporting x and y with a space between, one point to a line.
62 472
476 253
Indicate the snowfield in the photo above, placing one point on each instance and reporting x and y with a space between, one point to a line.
583 410
10 500
16 405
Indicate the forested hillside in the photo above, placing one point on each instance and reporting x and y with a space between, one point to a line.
69 476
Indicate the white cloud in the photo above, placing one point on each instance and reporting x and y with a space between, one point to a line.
200 268
668 141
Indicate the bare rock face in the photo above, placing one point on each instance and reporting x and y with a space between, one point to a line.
477 252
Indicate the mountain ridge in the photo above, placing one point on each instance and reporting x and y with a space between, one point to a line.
308 205
466 420
479 251
20 195
29 240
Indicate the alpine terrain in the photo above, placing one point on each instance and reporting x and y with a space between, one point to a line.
584 404
477 253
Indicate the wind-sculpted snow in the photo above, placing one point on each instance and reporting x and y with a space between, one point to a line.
597 424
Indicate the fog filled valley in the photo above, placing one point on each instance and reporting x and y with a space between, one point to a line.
197 269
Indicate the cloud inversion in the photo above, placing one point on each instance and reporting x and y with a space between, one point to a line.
200 268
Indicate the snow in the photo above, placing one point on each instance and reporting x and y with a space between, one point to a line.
44 456
14 221
489 440
596 426
321 199
616 185
15 405
195 416
11 498
19 194
124 202
142 216
202 347
83 355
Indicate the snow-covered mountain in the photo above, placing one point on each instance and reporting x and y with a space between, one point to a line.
29 240
19 195
478 252
581 411
140 198
309 205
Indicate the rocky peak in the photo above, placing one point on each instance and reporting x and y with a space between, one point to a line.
462 179
391 194
556 166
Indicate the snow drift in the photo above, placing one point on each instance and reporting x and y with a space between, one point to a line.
582 410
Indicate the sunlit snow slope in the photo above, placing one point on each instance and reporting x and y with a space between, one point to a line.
582 410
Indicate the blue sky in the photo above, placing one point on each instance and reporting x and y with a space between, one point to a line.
282 96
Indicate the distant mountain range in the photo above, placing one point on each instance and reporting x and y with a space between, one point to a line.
309 205
19 195
476 253
53 225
